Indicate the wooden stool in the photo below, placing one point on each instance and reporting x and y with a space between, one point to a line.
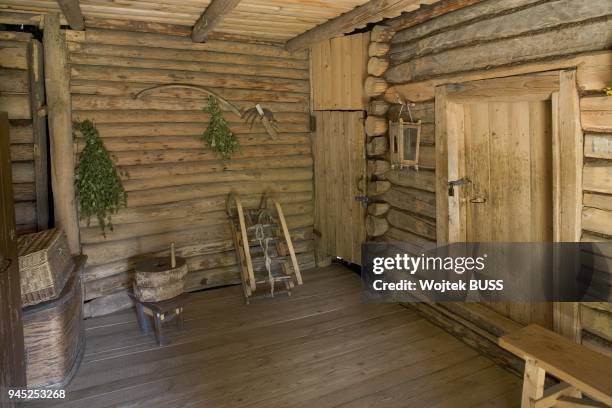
161 312
580 370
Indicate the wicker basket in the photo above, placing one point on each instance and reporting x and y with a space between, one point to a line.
45 263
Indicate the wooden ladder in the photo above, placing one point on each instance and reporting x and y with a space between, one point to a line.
261 235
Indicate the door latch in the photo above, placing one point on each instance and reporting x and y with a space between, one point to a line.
364 200
4 265
457 183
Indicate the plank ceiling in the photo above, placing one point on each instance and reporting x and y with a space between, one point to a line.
277 20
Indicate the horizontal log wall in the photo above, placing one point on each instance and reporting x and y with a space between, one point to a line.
497 38
596 118
176 185
15 99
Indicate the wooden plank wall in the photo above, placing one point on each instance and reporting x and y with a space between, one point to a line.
491 39
338 67
15 99
176 186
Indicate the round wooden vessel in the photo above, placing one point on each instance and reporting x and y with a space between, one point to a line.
156 280
159 293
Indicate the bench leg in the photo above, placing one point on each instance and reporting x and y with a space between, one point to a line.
533 383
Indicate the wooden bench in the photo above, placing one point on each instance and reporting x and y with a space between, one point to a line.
580 370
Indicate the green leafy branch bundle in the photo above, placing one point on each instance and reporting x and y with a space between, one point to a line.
97 183
218 134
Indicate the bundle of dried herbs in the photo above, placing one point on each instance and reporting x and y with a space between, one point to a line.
98 187
218 134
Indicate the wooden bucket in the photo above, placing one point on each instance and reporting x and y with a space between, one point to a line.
156 280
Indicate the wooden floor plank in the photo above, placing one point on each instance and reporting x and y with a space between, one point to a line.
322 347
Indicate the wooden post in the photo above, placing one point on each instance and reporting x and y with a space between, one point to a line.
57 80
567 188
39 130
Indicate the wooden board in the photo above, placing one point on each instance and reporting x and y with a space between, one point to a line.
339 154
339 69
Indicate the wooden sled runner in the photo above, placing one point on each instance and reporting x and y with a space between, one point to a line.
264 250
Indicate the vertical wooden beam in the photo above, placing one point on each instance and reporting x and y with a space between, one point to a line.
72 12
57 80
442 214
39 129
12 355
568 191
212 16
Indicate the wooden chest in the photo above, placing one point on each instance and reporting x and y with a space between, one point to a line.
54 335
45 263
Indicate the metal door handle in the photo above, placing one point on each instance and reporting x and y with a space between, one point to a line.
478 200
4 265
457 183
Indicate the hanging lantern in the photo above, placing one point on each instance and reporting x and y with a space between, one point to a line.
404 141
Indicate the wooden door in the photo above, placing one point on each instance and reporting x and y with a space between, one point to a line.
12 367
508 161
339 154
515 145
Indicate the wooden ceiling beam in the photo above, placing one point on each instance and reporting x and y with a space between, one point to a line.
424 14
211 17
72 12
372 11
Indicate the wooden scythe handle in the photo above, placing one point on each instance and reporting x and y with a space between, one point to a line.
223 101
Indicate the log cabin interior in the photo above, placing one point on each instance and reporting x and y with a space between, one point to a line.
187 186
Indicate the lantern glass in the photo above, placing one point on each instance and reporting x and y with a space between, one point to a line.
404 141
409 142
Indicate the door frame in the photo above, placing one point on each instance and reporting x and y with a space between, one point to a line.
560 88
12 354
